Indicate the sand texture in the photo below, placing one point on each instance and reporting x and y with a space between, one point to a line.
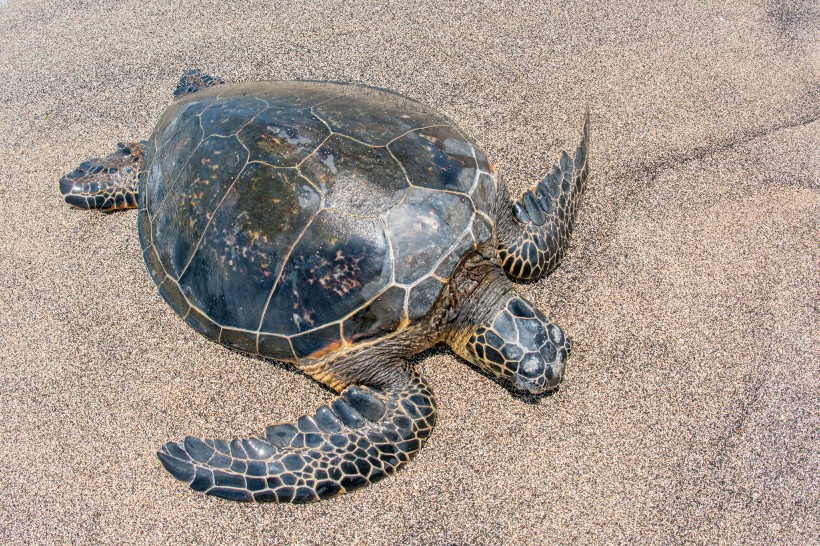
689 413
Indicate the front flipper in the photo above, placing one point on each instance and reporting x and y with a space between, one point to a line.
363 435
534 233
107 183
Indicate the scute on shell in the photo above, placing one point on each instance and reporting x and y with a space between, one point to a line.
293 218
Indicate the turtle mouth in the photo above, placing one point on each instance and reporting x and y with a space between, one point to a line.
532 386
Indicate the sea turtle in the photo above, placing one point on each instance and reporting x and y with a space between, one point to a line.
341 228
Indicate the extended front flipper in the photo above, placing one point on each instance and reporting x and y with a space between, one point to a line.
107 183
365 434
533 234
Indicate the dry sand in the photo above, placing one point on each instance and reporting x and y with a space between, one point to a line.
690 408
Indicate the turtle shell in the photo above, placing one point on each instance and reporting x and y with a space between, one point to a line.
291 219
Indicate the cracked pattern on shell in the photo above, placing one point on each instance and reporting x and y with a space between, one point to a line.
350 208
288 218
362 436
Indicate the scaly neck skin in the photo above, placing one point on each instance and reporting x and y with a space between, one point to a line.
491 326
478 289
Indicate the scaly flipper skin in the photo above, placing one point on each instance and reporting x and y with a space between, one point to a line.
108 183
534 234
363 435
111 183
195 80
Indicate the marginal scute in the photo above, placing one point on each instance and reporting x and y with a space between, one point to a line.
144 225
202 324
170 291
275 346
239 340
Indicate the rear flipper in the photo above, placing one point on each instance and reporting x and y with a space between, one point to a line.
107 183
195 80
362 436
534 234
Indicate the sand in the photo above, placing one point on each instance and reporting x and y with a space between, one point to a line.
689 413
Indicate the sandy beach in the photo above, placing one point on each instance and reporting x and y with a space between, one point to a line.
689 412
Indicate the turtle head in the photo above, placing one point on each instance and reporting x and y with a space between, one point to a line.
520 345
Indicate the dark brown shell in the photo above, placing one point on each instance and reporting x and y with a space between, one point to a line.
293 218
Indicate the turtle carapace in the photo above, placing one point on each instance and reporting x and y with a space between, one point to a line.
341 228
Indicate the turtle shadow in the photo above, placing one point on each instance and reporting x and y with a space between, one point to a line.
523 396
286 366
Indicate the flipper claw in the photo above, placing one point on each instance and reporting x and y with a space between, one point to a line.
181 469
